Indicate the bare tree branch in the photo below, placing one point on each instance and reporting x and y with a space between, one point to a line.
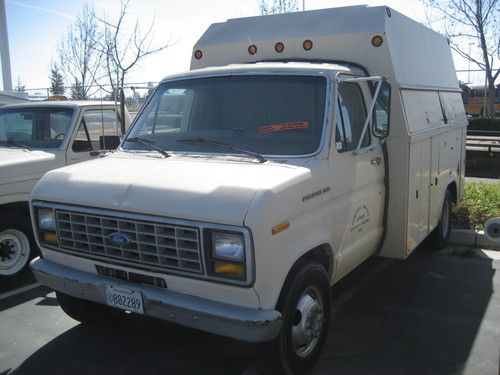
463 21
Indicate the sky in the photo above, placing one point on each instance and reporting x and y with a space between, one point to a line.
35 27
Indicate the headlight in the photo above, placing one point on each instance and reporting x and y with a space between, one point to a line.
227 255
228 247
46 219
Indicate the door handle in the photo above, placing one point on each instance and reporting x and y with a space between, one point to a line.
375 161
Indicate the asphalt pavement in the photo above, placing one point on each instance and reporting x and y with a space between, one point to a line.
434 313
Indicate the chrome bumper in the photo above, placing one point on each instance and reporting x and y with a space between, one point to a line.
240 323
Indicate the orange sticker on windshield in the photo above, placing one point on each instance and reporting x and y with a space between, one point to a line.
283 127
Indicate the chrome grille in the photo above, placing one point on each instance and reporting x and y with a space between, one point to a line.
152 243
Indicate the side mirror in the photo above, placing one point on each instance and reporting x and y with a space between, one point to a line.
109 142
382 111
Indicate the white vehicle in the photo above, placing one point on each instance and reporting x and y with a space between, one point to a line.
296 147
35 138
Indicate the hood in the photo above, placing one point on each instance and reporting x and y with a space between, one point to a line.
204 190
18 163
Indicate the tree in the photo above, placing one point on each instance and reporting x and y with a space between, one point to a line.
151 89
278 6
19 86
56 80
80 58
77 91
122 49
476 21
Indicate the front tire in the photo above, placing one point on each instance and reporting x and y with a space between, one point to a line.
441 234
17 245
305 306
86 312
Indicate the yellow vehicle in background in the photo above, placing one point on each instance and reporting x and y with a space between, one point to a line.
475 101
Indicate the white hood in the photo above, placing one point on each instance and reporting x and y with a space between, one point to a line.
176 187
18 163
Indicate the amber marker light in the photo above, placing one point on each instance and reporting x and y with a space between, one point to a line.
229 269
307 45
279 47
50 237
377 41
280 227
252 49
198 54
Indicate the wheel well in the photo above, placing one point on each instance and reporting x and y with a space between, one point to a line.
16 208
323 255
452 187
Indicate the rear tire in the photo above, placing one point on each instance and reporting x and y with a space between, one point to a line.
17 245
86 312
438 239
305 306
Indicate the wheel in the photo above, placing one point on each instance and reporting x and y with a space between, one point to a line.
305 306
86 312
17 245
439 237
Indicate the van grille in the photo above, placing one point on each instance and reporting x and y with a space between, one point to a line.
150 243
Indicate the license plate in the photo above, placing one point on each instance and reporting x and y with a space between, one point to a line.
124 298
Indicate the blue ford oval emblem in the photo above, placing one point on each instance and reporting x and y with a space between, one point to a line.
119 239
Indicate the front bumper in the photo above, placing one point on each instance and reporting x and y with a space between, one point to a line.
240 323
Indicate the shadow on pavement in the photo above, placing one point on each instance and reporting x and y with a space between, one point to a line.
133 345
419 316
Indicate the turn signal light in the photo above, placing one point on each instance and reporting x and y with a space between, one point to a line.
229 269
50 237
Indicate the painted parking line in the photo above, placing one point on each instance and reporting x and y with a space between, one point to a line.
19 291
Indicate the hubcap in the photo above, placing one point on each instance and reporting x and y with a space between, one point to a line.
14 251
308 322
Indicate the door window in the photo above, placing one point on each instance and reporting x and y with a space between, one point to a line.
34 127
351 117
94 127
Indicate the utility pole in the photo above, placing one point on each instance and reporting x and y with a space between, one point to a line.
4 49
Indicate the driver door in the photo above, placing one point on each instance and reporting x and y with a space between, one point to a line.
93 134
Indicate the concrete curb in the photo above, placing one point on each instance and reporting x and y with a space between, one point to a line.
468 237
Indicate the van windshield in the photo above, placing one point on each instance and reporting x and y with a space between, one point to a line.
34 127
264 114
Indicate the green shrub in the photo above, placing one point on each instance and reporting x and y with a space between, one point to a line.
481 201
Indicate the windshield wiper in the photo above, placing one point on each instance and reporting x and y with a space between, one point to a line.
16 143
225 145
148 143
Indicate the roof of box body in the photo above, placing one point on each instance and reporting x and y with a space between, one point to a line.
411 54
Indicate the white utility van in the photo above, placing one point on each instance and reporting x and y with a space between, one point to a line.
35 138
296 147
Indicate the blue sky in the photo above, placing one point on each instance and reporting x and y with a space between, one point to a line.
36 27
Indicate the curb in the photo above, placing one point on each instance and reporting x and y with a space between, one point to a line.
468 237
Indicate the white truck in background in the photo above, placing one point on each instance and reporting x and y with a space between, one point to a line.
296 147
35 138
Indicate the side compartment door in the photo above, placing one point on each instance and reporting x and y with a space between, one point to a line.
358 179
97 130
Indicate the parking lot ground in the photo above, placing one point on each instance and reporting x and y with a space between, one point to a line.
435 313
